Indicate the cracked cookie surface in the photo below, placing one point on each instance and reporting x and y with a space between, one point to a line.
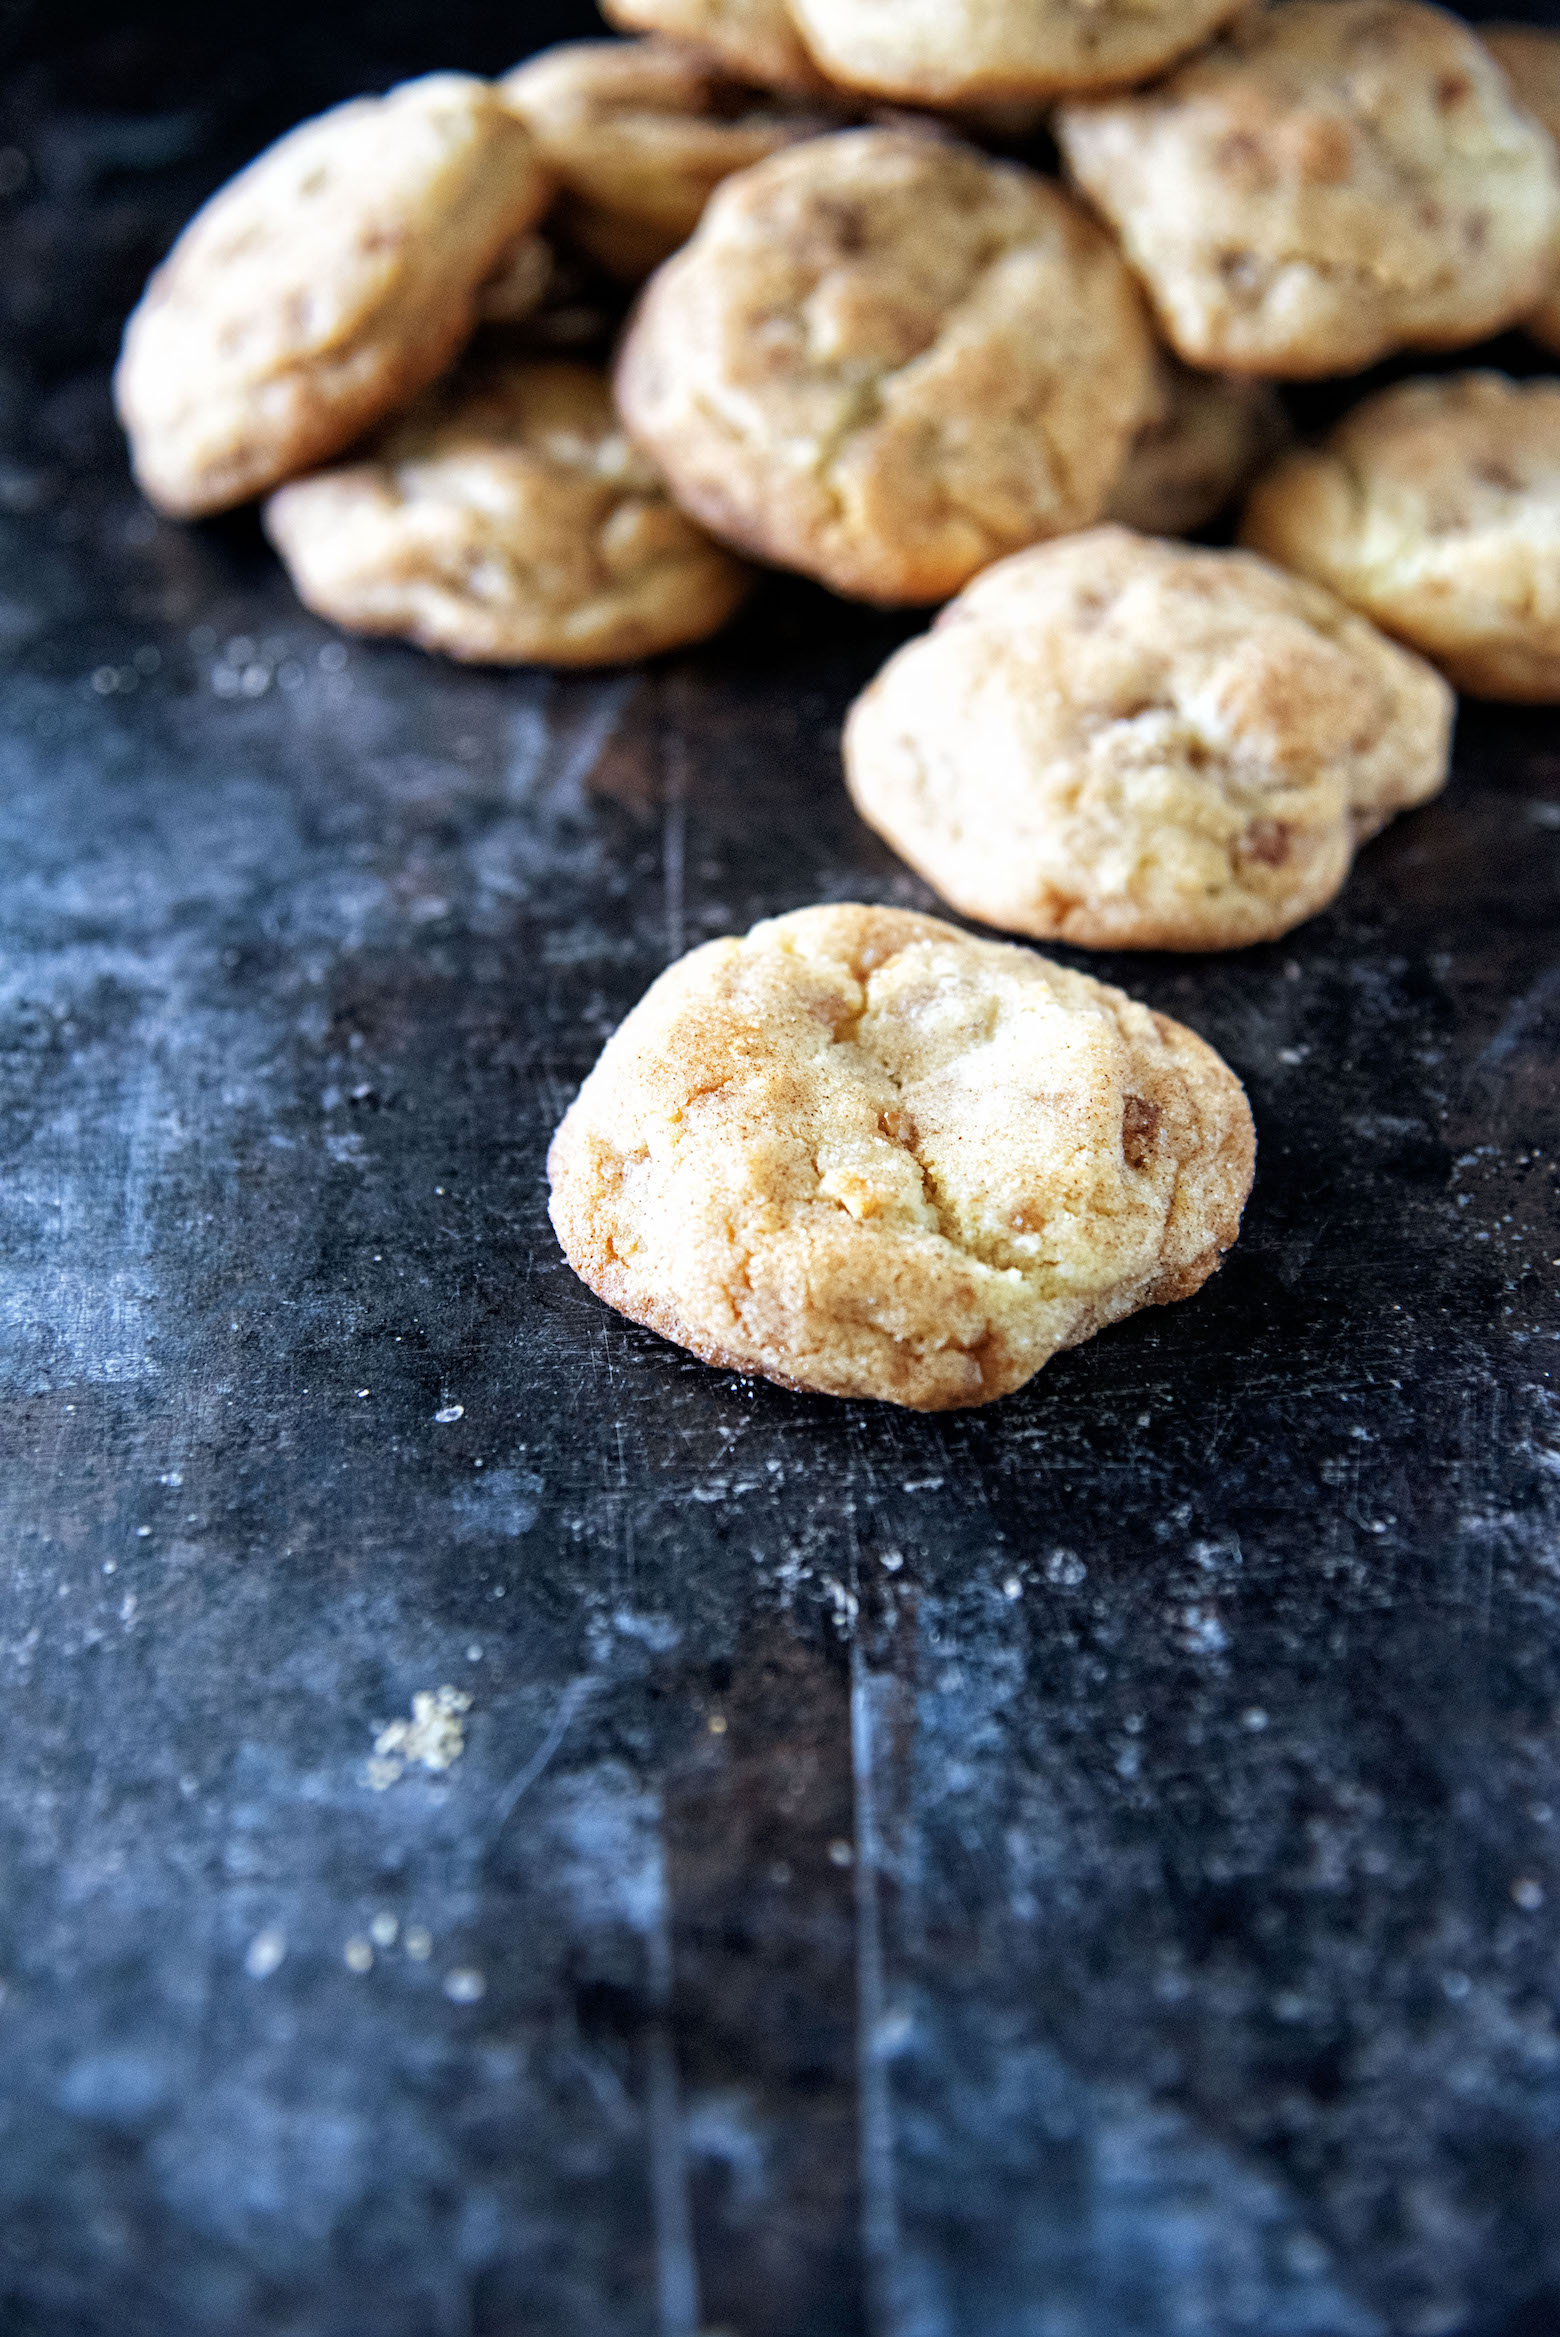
638 135
1133 744
970 52
859 1152
1332 180
507 520
1435 508
887 361
321 289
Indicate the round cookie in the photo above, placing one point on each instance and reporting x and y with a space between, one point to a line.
1208 437
507 520
1529 55
756 40
638 135
1333 180
970 52
1133 744
859 1152
887 361
321 289
1435 508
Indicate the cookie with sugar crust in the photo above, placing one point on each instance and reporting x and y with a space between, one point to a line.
859 1152
1128 743
507 520
886 361
1434 508
1330 181
321 289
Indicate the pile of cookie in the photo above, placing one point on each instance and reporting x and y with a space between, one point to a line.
875 341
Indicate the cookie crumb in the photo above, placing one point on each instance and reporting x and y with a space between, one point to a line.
434 1737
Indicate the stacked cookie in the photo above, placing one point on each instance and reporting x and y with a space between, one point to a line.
857 1151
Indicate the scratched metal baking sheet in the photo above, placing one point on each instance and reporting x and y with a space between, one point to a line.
1083 1868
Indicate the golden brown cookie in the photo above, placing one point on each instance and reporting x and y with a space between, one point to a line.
886 361
859 1152
755 39
970 52
638 135
1332 180
1208 436
321 289
1529 55
1435 509
1133 744
507 520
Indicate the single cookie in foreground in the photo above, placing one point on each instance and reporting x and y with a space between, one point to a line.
321 289
1529 55
1332 180
507 520
1134 744
969 52
858 1151
638 135
1435 508
1209 435
885 361
756 39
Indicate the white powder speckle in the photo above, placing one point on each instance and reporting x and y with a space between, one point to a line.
264 1952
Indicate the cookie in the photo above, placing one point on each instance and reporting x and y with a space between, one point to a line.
859 1152
756 40
1209 435
638 134
519 283
886 361
969 52
321 289
1133 744
1529 55
1435 508
506 520
1333 180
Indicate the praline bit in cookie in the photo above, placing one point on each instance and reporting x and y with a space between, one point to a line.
638 135
1332 180
321 289
507 520
1133 744
886 361
1435 508
970 52
859 1152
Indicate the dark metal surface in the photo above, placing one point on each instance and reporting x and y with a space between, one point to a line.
1086 1868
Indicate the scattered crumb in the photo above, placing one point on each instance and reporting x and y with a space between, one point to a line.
357 1955
841 1854
382 1931
434 1737
464 1985
418 1942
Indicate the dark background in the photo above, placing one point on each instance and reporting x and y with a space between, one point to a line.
1083 1868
